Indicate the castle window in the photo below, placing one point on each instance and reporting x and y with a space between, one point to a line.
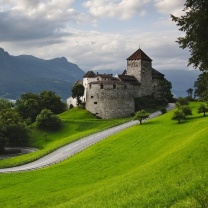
95 103
92 96
97 78
101 86
114 86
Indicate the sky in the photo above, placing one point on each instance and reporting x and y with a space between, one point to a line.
94 34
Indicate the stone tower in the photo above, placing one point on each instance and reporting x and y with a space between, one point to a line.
140 66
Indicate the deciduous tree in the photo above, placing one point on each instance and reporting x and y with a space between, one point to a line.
78 92
195 25
178 115
48 120
201 86
203 109
141 115
14 128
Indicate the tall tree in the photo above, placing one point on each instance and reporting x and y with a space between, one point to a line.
165 90
190 92
201 86
77 92
49 100
5 104
195 25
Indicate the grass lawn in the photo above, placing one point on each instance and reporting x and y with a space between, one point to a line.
77 123
157 164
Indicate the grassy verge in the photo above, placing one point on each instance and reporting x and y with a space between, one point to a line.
157 164
77 123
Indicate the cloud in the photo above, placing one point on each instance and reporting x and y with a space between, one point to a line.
123 9
174 7
22 20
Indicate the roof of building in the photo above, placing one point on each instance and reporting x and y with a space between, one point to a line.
129 78
89 74
104 75
157 74
139 54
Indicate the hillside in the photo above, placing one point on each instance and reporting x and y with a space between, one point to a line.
157 164
25 73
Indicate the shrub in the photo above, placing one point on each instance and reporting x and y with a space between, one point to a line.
48 120
163 110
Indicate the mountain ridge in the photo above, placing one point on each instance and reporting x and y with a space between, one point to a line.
26 73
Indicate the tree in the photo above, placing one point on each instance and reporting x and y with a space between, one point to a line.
194 24
13 128
141 115
201 86
48 120
181 101
186 110
77 92
3 139
165 89
178 115
28 106
203 109
190 92
49 100
5 104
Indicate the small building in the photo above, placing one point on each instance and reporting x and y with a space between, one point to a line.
114 97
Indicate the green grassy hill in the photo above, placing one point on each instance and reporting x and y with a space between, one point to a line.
157 164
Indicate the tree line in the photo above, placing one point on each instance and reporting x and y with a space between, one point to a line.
16 118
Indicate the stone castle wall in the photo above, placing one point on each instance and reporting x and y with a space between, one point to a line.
142 70
111 101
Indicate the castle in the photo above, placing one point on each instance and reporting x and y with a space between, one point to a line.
114 97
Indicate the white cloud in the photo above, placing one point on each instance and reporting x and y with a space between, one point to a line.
174 7
123 9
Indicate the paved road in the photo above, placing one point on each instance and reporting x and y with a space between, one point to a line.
73 148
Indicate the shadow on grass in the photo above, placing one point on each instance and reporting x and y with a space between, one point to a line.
190 119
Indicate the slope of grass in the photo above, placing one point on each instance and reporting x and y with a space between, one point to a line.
157 164
76 123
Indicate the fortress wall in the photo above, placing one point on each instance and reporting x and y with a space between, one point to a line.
110 103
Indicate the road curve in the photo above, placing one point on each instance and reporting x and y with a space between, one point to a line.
75 147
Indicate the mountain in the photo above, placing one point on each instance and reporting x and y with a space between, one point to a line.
25 73
181 79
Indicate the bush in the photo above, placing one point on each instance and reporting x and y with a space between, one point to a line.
13 128
48 120
163 110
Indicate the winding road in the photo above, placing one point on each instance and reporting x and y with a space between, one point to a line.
75 147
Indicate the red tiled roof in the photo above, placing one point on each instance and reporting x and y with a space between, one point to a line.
139 54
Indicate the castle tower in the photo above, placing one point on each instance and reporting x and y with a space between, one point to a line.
140 66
